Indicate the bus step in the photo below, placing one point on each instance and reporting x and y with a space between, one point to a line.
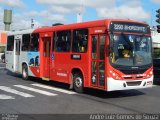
45 78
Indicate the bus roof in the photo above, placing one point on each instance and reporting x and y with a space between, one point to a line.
97 23
27 31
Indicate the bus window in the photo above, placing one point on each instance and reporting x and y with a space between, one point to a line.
25 42
53 41
80 40
10 43
94 47
34 44
102 47
63 41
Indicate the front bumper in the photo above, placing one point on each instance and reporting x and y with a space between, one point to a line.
113 85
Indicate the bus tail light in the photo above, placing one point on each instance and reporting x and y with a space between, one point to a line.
115 75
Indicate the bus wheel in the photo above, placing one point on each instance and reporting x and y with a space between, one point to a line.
78 83
25 72
3 60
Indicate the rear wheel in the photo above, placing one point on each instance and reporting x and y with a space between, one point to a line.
25 72
78 83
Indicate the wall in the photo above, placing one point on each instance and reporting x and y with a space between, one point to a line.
156 39
3 38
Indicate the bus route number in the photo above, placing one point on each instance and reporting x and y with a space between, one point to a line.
118 27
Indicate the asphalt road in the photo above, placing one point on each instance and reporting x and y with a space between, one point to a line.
20 97
2 65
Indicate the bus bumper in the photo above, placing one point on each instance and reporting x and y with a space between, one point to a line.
113 85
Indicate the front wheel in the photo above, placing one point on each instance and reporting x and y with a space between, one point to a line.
78 83
25 72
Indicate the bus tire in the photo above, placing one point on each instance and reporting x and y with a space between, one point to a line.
25 72
78 83
3 60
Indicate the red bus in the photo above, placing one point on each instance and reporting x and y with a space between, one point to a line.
105 54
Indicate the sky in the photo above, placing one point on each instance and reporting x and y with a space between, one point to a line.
48 12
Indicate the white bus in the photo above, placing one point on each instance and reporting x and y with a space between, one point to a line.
17 50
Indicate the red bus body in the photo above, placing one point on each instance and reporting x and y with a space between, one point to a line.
63 66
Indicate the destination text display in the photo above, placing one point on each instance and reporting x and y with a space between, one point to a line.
129 27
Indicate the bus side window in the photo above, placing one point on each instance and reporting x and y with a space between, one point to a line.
34 44
10 43
25 42
80 40
63 41
53 41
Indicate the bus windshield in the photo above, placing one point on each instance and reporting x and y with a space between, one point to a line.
130 50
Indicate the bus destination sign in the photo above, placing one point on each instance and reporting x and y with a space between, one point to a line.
129 27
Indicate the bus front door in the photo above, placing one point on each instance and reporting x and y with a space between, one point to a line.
46 58
98 61
17 53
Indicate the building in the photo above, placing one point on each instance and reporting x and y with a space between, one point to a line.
156 39
3 41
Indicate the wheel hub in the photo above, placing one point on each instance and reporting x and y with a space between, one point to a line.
24 73
78 82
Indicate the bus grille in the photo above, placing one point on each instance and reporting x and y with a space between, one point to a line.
136 83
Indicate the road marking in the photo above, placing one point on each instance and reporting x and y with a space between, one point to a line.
54 88
10 90
5 97
36 90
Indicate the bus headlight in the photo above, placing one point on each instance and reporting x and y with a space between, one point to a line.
114 75
150 74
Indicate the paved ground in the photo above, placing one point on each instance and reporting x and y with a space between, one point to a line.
35 96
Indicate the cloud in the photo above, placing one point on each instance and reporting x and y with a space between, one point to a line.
126 12
1 19
105 9
46 16
91 3
66 6
129 10
156 1
100 3
58 10
22 22
13 3
19 21
58 2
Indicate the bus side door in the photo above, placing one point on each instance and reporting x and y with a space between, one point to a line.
98 61
17 46
45 55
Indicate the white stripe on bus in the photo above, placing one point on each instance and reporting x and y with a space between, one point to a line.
5 97
10 90
54 88
35 90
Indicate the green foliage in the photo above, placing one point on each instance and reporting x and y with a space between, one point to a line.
2 49
156 53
